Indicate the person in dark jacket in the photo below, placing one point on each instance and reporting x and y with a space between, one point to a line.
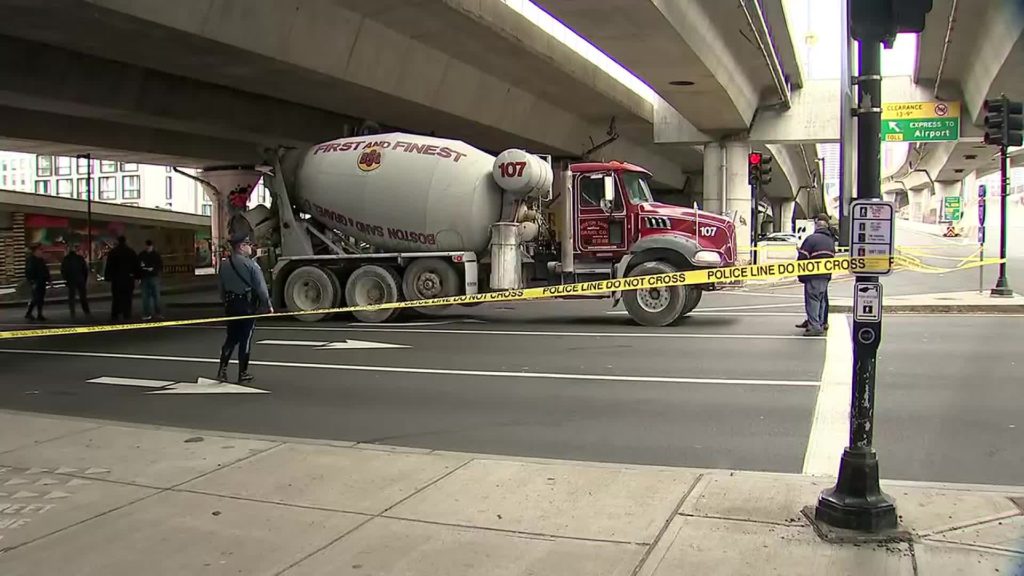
38 276
151 266
75 272
244 292
121 270
819 245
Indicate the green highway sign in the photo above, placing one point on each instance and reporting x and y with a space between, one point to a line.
921 121
952 209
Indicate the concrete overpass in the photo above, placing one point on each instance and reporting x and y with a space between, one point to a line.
208 82
969 51
211 82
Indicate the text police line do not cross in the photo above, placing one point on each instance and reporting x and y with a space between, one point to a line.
686 278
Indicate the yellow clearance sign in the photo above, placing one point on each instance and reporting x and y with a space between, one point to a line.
920 110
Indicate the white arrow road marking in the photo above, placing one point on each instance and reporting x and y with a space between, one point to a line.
208 386
65 470
36 471
15 482
200 386
77 482
24 494
56 494
131 382
96 471
344 345
46 482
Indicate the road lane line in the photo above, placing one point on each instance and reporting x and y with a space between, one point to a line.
549 333
447 372
830 427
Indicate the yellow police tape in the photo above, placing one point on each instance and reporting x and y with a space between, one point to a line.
689 277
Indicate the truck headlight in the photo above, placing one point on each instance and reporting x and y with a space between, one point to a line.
707 258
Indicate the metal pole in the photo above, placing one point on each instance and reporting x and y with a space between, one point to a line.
845 126
88 208
857 501
869 149
1002 288
753 223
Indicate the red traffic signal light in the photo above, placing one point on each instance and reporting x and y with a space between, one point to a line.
754 158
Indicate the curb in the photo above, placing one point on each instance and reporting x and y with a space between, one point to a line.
100 293
994 309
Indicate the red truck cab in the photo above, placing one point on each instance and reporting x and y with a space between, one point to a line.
615 219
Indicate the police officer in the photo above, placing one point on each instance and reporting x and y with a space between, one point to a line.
244 292
819 245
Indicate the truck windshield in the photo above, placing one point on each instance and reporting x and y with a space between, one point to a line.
636 188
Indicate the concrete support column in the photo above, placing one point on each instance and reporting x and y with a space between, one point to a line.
712 181
229 191
943 189
918 203
737 194
786 215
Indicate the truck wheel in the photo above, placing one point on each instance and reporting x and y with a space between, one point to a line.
370 285
693 296
655 306
311 288
430 278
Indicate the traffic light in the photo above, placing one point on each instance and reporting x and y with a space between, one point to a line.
1004 122
766 169
759 169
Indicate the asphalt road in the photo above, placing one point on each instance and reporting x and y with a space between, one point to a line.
735 386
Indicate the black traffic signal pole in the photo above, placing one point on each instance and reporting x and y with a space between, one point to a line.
1002 287
857 501
755 193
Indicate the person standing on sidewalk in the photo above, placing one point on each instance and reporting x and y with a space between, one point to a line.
121 269
38 276
819 245
151 266
244 292
75 272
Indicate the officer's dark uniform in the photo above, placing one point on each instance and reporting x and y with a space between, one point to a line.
244 292
121 269
75 272
819 245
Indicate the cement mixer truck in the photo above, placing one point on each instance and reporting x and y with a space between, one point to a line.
399 217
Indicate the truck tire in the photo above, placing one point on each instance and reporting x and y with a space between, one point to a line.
655 306
693 296
311 288
430 278
373 284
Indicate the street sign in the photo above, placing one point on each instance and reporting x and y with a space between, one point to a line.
921 121
952 209
867 302
871 235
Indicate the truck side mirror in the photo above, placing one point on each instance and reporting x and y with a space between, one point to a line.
609 193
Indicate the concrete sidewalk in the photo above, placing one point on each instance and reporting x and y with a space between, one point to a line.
91 498
967 302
